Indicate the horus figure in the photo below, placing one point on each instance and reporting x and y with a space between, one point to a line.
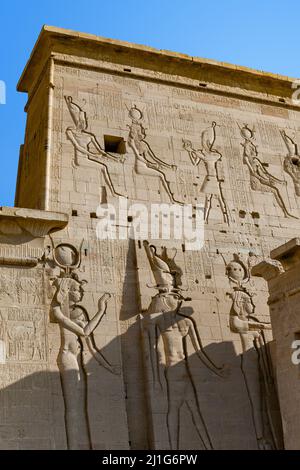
291 162
166 330
211 186
260 178
146 162
84 142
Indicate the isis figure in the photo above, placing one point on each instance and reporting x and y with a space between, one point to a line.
146 162
260 178
76 330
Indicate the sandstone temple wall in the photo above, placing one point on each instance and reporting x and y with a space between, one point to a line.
109 121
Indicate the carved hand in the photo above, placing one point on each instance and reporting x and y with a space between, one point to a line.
155 166
187 145
259 326
103 300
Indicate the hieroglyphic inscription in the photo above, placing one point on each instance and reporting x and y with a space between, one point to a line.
198 272
23 332
57 143
21 287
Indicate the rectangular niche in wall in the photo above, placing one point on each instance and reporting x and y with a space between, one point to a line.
114 144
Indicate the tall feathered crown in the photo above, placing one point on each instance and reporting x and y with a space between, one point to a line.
76 112
166 273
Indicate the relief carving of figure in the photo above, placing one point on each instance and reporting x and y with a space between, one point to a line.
166 329
84 142
31 290
76 330
255 361
146 162
7 289
291 162
212 185
260 178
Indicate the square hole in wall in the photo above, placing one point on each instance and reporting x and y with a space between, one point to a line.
114 144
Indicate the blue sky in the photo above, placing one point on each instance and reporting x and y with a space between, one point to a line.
263 34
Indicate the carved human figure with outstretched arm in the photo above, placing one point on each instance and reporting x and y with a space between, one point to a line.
165 277
83 141
166 331
260 178
254 361
212 185
76 331
146 162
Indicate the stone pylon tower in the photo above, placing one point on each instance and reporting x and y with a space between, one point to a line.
149 341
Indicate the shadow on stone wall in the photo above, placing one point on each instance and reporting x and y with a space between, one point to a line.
191 407
32 409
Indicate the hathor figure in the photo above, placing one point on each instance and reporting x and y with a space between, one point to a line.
260 178
76 331
146 162
255 362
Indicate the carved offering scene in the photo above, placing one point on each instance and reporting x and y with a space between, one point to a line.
183 367
210 157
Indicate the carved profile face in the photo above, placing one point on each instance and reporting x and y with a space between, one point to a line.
75 292
236 271
172 301
69 292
